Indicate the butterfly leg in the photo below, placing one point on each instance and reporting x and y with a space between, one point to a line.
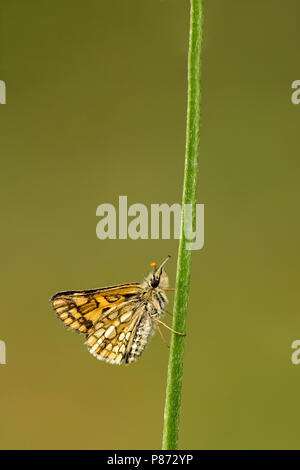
167 311
168 327
162 336
170 290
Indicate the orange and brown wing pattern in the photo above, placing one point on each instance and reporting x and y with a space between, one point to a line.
80 310
112 336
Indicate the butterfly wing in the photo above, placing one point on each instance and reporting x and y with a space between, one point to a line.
81 310
112 336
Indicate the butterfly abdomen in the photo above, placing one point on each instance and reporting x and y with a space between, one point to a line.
141 339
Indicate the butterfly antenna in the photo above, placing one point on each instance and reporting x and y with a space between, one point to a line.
162 264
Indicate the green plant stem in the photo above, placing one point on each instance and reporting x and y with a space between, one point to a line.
175 370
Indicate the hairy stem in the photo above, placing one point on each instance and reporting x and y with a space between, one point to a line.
175 370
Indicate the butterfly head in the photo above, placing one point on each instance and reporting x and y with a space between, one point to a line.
159 276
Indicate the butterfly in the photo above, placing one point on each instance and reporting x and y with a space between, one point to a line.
117 321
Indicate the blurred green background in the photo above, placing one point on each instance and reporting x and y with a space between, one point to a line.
96 107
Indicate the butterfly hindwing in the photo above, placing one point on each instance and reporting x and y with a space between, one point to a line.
112 335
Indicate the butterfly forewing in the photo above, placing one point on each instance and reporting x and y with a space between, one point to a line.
80 310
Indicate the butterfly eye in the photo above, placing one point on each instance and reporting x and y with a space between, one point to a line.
154 282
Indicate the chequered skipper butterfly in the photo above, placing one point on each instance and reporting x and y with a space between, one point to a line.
117 321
